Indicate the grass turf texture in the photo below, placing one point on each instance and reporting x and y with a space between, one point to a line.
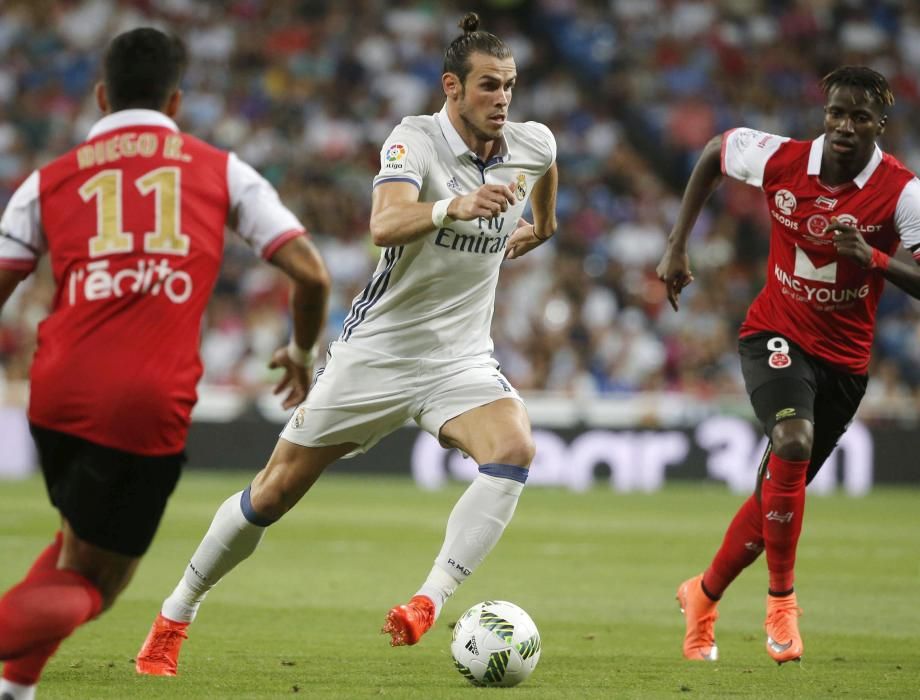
596 571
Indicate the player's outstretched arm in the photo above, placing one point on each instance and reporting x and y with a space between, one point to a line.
8 281
301 262
543 204
674 268
850 243
397 217
903 275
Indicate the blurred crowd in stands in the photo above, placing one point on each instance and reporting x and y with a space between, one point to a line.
307 90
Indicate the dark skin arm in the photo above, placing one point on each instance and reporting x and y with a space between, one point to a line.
8 281
301 262
674 268
850 243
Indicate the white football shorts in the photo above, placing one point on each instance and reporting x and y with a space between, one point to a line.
361 396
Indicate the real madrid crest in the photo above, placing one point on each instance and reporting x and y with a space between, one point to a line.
520 187
297 420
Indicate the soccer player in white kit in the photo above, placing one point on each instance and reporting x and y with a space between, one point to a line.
447 209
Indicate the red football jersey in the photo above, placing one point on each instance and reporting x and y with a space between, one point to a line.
823 302
133 220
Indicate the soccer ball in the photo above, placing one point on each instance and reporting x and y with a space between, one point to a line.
495 643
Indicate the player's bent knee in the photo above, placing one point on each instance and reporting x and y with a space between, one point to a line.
793 443
291 470
794 448
269 499
794 451
793 439
276 490
518 450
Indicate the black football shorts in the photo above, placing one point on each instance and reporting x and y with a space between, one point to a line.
785 382
111 498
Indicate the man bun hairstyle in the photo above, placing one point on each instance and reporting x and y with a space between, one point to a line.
469 23
863 78
142 68
473 40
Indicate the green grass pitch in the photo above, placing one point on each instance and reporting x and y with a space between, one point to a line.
596 571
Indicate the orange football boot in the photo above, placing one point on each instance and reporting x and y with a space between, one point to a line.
701 615
407 623
159 656
784 643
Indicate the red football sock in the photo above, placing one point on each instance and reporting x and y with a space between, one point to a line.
742 544
44 609
782 498
26 670
49 557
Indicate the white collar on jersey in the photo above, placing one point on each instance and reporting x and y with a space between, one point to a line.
131 117
456 143
814 162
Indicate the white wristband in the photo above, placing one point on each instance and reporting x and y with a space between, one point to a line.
299 356
439 215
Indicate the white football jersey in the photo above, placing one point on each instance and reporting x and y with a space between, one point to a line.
434 297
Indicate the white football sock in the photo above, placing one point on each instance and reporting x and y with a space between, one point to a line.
474 527
16 691
230 539
439 586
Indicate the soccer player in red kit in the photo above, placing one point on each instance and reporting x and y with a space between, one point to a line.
133 221
840 206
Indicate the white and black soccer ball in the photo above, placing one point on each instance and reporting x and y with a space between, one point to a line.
495 643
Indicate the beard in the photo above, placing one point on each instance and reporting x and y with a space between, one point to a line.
480 132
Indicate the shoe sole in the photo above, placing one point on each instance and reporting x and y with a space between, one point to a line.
399 630
795 659
780 662
147 671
